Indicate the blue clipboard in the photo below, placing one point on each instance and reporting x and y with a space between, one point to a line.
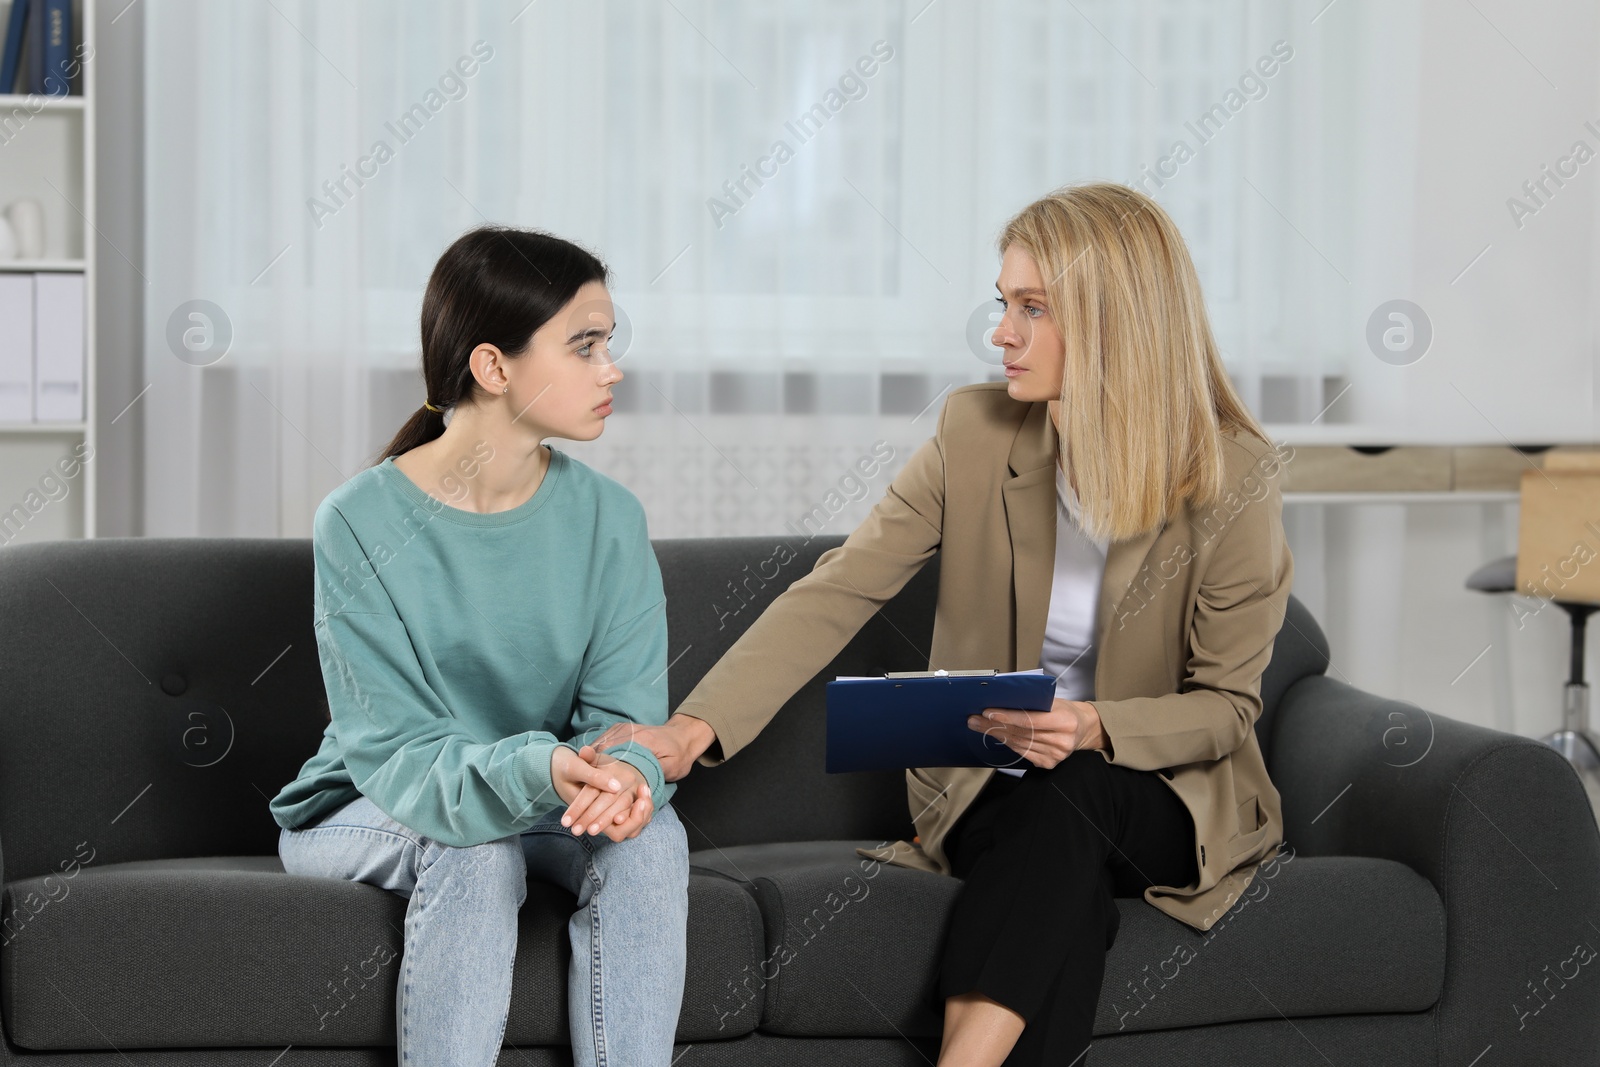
919 718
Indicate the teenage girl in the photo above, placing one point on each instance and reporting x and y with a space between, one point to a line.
486 606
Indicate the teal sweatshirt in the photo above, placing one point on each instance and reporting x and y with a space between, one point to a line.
459 649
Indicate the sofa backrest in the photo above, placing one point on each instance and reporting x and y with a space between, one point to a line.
159 691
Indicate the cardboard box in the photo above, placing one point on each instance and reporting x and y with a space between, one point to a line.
1558 537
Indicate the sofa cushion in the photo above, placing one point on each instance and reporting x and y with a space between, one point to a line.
852 946
230 951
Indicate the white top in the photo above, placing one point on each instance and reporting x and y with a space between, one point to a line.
1069 653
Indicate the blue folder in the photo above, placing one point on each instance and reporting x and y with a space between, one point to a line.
919 718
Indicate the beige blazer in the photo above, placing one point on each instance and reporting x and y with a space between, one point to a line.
1185 623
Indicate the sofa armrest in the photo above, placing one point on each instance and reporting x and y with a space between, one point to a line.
1502 827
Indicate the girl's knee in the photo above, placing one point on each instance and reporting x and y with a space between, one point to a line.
661 849
667 836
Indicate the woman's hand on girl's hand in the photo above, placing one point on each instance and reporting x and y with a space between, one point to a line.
620 814
1044 738
676 745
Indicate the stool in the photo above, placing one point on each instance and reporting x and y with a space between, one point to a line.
1574 740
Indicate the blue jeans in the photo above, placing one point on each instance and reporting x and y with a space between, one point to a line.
625 985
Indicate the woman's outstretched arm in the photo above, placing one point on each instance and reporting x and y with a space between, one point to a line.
807 625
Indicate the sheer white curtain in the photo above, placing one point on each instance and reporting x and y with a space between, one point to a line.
799 201
797 312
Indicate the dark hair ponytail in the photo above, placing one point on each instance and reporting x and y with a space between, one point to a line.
495 285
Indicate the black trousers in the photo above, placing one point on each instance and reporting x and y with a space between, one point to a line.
1041 857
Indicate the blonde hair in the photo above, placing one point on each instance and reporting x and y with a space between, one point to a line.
1144 396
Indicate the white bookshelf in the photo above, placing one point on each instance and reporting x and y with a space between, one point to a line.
35 266
49 103
48 155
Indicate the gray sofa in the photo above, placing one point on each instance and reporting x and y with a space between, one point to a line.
1438 903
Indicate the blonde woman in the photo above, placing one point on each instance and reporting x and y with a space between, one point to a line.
1109 512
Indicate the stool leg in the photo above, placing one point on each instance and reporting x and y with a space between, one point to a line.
1574 740
1577 744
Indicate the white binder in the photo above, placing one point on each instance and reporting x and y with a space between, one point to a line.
58 347
16 348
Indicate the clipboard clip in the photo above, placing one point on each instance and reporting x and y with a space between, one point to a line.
987 672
